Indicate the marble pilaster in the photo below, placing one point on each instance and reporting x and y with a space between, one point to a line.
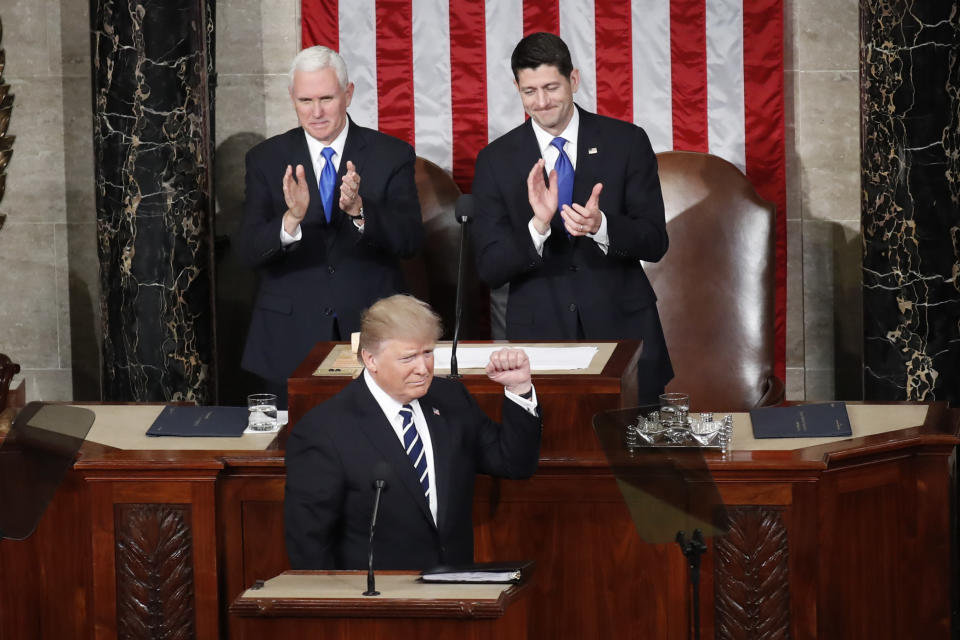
910 208
152 151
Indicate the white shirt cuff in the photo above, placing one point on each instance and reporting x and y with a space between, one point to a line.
601 237
530 406
286 239
538 239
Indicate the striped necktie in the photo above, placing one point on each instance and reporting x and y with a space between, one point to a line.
414 447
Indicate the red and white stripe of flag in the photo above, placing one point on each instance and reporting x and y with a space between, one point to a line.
697 75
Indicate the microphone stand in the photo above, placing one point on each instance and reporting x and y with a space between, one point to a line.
462 214
379 485
692 550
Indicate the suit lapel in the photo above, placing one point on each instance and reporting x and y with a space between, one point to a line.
440 439
587 170
527 154
301 155
379 431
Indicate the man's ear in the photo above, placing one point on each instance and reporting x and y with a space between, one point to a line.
369 360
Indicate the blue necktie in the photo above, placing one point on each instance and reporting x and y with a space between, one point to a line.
564 178
414 447
328 180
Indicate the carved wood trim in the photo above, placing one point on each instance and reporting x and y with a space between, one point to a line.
751 576
155 582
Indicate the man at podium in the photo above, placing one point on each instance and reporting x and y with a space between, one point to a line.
425 437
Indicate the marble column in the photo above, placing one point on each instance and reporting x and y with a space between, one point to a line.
152 168
910 207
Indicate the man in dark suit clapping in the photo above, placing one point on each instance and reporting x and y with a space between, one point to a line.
425 436
566 207
331 208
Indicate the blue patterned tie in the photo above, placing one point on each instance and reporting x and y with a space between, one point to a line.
564 178
414 446
328 180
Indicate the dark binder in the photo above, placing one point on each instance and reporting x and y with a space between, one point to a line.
480 572
200 422
823 420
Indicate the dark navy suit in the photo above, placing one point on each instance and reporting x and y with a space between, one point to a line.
334 272
340 447
574 290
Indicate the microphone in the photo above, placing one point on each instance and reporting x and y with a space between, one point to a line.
380 486
463 213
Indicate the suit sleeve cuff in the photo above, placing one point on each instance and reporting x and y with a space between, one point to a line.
530 406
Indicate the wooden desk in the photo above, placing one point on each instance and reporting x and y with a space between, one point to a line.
849 539
329 604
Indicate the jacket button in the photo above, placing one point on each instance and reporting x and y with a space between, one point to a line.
573 307
573 267
331 269
328 311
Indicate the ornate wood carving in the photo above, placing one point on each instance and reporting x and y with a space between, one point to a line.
751 577
6 142
154 548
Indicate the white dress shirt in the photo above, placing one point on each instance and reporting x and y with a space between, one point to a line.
391 409
550 153
316 148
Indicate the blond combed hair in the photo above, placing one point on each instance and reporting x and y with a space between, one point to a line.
398 317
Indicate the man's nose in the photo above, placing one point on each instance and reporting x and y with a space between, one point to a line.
317 109
542 99
421 365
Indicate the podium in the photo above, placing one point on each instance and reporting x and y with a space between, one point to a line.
329 604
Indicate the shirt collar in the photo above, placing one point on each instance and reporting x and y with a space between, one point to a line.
315 146
569 133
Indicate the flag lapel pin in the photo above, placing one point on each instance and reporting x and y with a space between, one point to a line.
436 411
592 151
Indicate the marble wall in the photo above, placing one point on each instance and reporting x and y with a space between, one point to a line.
152 174
910 84
55 337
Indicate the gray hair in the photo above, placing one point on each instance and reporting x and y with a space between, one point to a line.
400 316
316 58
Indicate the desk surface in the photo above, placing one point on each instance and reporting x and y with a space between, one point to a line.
351 585
124 427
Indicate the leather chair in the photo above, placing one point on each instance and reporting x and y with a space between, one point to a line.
432 274
10 400
715 286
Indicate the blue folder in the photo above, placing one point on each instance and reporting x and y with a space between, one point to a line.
827 419
200 422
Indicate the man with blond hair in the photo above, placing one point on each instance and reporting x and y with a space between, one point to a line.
424 436
331 207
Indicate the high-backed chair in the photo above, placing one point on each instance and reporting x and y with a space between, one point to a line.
715 286
432 274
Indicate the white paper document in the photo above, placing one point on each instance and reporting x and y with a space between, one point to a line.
541 358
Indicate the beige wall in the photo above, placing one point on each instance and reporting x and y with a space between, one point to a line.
48 267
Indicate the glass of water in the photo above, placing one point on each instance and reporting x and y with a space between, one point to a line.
263 412
674 408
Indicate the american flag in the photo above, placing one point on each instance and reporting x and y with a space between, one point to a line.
697 75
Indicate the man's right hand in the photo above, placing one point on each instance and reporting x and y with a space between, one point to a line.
296 193
543 198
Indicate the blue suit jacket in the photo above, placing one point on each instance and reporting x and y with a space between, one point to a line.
334 270
340 447
574 282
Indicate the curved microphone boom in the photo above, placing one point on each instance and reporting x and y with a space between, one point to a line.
463 214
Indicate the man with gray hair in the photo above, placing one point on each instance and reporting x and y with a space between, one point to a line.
424 436
331 207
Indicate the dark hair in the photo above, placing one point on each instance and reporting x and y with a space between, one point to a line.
541 48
